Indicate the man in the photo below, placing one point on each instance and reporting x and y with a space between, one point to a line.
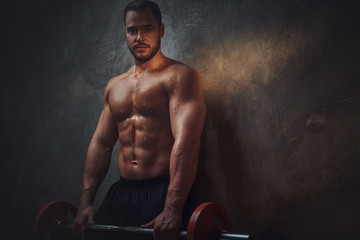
157 112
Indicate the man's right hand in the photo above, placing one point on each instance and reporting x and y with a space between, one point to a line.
85 215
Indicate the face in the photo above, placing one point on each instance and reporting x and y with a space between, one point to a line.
143 34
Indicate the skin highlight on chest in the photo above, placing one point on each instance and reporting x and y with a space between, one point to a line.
134 98
140 107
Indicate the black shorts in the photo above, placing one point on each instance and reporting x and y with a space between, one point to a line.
136 202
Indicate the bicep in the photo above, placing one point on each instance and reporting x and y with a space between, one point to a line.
106 132
188 121
187 109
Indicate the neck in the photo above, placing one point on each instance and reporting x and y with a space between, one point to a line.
154 63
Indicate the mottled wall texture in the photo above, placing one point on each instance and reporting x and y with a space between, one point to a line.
280 149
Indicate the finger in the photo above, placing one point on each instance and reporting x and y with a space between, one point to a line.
76 229
172 233
164 233
176 235
148 225
156 233
91 218
82 230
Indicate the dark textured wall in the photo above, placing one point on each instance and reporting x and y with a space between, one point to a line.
281 144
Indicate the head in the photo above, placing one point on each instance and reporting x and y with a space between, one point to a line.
142 5
143 28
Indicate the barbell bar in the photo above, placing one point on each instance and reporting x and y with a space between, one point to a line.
147 231
209 221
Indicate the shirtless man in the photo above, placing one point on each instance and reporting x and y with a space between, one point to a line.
157 112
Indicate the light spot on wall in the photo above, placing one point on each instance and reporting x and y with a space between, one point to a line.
241 61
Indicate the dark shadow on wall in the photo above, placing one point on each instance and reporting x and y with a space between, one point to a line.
280 143
218 131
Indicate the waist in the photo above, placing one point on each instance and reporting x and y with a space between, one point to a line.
144 167
134 183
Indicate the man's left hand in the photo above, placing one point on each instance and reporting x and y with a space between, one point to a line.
166 226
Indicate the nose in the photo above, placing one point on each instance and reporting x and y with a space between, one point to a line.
140 36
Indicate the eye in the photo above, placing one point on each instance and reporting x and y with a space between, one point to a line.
131 30
147 30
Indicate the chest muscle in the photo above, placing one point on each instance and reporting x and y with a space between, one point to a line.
144 97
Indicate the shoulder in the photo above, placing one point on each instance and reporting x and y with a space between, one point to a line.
181 70
181 75
113 81
116 79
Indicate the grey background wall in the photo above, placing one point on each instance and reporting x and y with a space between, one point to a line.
280 147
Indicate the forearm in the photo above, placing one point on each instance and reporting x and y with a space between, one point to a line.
183 169
97 164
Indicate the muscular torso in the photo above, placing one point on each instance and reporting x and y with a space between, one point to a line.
140 106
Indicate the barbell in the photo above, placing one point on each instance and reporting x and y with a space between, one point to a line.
210 220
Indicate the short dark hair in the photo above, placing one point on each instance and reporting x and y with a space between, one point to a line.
142 5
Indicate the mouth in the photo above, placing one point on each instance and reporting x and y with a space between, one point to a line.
141 47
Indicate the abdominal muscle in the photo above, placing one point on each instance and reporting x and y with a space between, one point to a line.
145 145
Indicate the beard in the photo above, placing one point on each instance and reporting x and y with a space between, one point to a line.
145 57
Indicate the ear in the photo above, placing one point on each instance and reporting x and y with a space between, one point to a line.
162 30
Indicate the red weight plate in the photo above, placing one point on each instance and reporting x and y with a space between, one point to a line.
206 219
49 215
